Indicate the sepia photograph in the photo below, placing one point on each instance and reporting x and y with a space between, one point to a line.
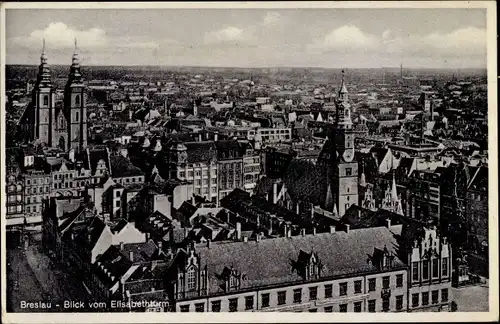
248 158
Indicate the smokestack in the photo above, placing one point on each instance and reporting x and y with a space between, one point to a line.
347 227
332 229
238 231
388 222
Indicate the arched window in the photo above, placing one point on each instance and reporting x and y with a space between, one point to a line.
77 100
191 279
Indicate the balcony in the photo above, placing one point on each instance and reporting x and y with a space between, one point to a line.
386 293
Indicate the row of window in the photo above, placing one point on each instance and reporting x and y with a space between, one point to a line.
198 182
35 181
34 190
426 271
182 174
205 191
131 180
13 188
63 176
343 308
14 209
415 298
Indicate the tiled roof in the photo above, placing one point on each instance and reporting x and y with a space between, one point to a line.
340 253
122 167
200 151
306 181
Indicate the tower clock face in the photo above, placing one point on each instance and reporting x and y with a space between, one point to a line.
348 155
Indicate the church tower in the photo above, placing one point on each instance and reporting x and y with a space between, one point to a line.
344 167
75 96
43 104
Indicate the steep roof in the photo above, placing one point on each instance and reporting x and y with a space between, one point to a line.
306 181
200 151
340 253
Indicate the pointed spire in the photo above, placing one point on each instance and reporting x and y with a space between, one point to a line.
362 178
394 191
335 211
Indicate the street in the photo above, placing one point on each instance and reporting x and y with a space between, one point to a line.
471 299
34 278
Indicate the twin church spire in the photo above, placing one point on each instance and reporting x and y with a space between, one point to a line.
44 74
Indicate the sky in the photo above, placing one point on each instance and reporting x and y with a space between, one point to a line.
329 38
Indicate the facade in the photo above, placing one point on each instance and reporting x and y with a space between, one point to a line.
251 169
477 212
274 135
37 184
425 198
430 275
209 280
230 166
62 126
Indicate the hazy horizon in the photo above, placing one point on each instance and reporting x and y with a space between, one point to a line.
256 38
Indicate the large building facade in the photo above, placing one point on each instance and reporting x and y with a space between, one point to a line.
53 124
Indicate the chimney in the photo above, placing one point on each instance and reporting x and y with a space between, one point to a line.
199 137
347 227
303 232
297 208
216 137
131 256
238 231
121 246
285 230
257 237
332 229
289 231
209 243
314 230
388 222
312 211
275 193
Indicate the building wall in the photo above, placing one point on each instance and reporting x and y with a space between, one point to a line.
203 176
15 196
36 188
230 176
251 171
320 302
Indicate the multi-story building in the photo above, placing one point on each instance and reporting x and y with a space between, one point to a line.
252 168
274 135
14 189
303 273
37 184
425 195
477 212
230 166
430 273
195 162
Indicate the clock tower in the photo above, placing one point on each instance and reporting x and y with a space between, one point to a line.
344 167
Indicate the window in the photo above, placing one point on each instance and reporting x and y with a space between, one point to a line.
190 174
385 304
248 302
425 298
77 116
343 289
313 310
328 291
435 268
357 287
297 295
372 284
386 282
328 309
348 171
343 308
435 296
371 305
444 295
445 267
199 308
233 304
118 193
45 100
281 297
265 300
399 280
117 203
414 271
414 300
28 200
313 293
28 209
425 270
399 302
184 308
357 307
216 306
191 279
